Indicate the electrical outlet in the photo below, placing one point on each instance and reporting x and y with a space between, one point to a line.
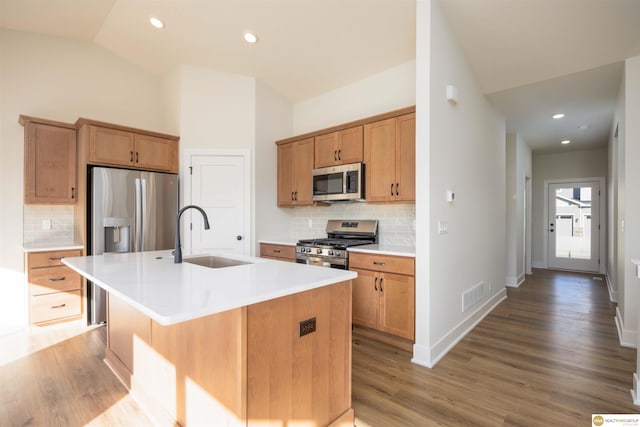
307 326
310 223
46 224
443 227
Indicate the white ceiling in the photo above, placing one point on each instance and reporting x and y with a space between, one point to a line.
532 57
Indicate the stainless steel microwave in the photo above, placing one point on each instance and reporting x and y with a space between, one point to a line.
339 183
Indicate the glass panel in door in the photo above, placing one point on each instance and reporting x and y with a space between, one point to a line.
573 226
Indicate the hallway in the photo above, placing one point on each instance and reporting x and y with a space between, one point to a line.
547 355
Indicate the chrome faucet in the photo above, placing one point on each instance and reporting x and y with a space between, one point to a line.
177 257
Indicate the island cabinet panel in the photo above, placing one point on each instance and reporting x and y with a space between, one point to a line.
292 377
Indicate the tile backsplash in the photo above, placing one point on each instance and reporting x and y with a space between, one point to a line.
396 222
61 218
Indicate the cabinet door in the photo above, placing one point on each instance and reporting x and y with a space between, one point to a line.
406 158
379 156
50 164
303 164
366 298
350 143
111 146
397 306
326 150
285 174
129 332
156 153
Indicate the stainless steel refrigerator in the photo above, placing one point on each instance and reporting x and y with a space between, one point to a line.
130 211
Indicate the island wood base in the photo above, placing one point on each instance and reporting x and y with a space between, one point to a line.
242 367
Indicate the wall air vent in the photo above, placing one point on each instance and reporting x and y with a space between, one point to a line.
472 296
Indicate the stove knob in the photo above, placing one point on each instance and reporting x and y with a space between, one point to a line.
318 251
306 250
336 253
330 253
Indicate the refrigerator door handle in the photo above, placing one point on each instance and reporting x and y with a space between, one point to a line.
143 212
138 217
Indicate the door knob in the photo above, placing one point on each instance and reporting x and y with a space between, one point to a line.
238 237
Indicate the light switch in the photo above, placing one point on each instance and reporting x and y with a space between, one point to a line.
443 227
46 224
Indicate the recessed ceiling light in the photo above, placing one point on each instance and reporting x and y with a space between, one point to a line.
583 127
565 141
558 116
156 23
250 37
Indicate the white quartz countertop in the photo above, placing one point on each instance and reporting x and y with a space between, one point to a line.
279 241
383 249
48 246
171 293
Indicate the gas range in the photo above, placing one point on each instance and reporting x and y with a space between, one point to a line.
332 250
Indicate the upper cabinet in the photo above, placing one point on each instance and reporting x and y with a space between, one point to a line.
295 164
49 161
389 155
339 148
115 145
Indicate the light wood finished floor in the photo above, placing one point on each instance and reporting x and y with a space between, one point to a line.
548 355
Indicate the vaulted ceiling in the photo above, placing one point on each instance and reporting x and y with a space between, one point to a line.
531 57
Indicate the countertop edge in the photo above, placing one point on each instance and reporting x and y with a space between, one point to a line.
54 247
376 250
277 242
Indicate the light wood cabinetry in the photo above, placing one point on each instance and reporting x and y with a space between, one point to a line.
339 148
384 293
55 291
119 147
295 164
279 252
243 367
49 161
389 155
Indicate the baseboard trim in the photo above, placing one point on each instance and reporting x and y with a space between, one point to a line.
634 390
511 282
429 357
538 264
628 338
613 294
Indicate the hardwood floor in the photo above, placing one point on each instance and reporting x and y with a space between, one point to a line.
548 355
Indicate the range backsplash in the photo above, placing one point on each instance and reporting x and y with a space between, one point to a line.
396 222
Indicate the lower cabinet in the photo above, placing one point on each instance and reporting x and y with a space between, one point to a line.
279 252
55 291
384 293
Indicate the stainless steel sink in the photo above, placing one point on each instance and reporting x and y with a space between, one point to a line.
214 261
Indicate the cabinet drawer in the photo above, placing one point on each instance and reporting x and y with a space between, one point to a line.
384 263
53 279
285 252
49 259
55 306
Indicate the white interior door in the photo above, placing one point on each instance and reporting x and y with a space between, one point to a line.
220 184
574 223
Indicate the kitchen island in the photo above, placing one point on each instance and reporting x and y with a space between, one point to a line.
261 343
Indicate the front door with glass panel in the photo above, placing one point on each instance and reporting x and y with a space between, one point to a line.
574 236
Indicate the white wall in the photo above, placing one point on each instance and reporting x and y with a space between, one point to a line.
466 155
573 164
58 79
386 91
631 205
519 167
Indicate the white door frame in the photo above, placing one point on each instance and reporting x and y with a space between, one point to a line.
603 218
185 187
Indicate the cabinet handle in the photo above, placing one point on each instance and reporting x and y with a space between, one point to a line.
339 154
131 156
335 155
295 195
292 195
51 258
136 157
381 290
58 306
73 192
397 193
57 279
276 251
375 284
392 188
378 263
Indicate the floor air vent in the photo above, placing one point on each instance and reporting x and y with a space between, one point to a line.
472 296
